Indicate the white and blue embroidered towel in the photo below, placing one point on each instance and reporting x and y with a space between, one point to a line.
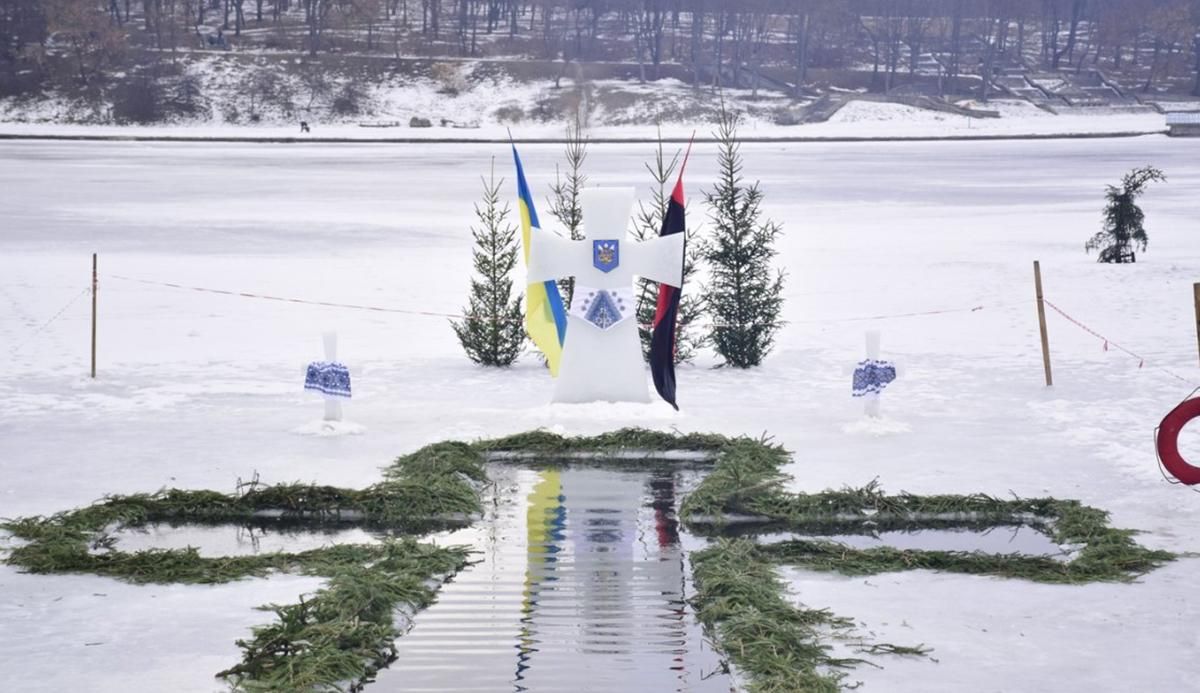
330 378
872 376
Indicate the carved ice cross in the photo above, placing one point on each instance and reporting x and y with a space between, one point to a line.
602 356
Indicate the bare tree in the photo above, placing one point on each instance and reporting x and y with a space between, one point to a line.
1056 11
1195 16
1169 22
316 19
996 33
647 18
90 34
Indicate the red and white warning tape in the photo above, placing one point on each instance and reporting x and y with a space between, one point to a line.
972 309
1108 342
86 290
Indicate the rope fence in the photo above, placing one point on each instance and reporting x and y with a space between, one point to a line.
285 299
460 316
1108 342
1105 341
86 290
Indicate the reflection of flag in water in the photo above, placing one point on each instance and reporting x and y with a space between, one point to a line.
545 317
666 526
545 521
662 342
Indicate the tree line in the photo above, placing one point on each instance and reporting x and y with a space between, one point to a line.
714 41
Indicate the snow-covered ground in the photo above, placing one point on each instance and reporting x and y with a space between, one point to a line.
196 390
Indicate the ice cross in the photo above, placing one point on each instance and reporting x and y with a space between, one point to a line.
602 356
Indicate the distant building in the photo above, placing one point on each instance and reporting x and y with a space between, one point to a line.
1183 124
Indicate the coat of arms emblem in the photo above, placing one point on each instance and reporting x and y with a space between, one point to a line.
606 255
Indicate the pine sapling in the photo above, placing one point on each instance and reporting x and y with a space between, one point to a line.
1123 231
491 331
745 294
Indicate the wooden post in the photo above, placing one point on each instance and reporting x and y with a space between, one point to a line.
1041 306
94 282
1196 297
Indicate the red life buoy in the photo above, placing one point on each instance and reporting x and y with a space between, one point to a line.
1168 442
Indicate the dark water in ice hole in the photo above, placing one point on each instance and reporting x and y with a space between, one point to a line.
581 585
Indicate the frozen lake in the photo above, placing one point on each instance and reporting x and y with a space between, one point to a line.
198 389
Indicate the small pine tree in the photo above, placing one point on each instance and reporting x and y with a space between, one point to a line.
745 295
565 204
647 224
1123 230
491 331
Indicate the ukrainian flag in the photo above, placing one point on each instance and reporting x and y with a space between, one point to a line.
545 317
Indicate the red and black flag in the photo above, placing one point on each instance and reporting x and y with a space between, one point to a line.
662 341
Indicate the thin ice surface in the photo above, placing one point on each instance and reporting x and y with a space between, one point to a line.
198 390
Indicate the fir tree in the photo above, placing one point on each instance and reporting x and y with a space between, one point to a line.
1123 230
647 224
565 204
491 331
745 294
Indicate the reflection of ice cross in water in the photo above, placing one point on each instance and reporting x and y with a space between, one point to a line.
602 356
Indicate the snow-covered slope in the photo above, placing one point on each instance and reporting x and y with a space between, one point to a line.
267 99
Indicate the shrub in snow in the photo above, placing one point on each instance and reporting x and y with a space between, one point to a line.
510 114
188 95
492 332
138 100
745 294
786 116
418 122
450 78
1122 230
265 92
348 100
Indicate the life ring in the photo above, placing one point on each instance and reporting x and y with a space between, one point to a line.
1167 442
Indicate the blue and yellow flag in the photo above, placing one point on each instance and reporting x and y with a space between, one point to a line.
545 317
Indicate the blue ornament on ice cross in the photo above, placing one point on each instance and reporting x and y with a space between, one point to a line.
606 255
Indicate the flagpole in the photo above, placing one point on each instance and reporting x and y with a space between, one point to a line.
679 184
669 297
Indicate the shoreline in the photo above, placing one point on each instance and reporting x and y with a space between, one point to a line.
811 139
